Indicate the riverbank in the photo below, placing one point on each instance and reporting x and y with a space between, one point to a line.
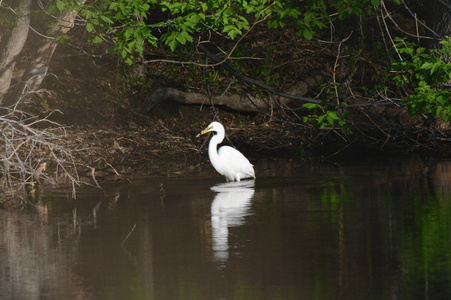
111 136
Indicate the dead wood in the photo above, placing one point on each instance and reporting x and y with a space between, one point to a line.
234 102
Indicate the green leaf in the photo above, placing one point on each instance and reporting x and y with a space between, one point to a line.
228 28
113 6
204 6
89 27
446 115
321 119
308 34
439 111
60 5
234 33
172 44
129 61
332 116
62 38
181 39
97 40
311 105
187 36
106 19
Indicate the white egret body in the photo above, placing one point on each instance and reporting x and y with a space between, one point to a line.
228 161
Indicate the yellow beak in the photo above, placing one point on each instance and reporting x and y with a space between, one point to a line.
204 131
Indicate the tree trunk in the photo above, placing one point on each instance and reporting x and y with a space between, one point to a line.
12 41
39 65
439 20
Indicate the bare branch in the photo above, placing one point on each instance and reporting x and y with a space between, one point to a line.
33 150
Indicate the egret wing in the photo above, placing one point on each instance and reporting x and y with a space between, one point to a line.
237 165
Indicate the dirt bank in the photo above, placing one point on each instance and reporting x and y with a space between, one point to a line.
102 108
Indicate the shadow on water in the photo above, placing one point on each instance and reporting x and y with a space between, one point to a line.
366 230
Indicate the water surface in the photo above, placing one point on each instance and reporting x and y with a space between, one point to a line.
364 230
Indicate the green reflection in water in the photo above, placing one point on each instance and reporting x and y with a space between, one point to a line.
382 235
425 249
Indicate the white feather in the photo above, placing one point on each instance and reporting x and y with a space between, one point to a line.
228 161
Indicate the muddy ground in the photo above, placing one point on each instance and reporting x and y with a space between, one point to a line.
105 118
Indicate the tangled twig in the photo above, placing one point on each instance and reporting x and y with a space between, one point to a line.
30 147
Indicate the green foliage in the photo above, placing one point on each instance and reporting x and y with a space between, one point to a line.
347 8
325 117
424 73
231 18
129 23
120 21
308 17
62 38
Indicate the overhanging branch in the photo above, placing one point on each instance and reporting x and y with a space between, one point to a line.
273 91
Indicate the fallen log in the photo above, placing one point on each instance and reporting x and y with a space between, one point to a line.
234 102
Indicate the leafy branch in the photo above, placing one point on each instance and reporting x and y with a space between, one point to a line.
426 74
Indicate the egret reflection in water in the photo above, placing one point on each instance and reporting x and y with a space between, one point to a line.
228 209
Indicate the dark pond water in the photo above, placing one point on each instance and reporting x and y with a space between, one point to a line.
366 230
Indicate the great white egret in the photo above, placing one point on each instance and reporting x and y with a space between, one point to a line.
228 161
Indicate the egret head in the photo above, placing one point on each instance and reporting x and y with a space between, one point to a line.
214 127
